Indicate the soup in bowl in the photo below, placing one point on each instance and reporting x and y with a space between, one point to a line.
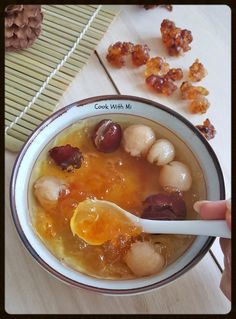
132 152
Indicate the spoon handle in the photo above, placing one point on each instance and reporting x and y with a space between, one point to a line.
215 228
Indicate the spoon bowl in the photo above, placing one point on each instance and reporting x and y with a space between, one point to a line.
215 228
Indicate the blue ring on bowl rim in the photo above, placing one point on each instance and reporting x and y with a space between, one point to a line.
74 283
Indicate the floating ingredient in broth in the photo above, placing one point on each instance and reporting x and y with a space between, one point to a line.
107 136
66 157
164 206
175 176
96 224
114 250
161 152
143 259
48 189
137 139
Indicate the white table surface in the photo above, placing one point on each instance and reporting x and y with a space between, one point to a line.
31 290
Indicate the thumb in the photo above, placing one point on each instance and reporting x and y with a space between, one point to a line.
211 210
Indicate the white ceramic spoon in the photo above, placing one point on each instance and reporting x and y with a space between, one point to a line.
215 228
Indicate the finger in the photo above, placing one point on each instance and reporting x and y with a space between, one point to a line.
211 210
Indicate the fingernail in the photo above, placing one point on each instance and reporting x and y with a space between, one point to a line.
197 205
228 205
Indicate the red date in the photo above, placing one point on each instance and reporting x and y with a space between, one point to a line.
107 136
66 156
164 206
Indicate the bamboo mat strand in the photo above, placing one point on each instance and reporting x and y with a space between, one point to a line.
36 78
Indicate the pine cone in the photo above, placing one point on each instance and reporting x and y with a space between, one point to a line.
22 26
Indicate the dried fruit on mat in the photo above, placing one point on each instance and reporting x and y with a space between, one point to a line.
197 71
66 156
152 6
22 26
117 52
190 92
207 129
199 105
175 39
160 84
164 206
140 54
156 66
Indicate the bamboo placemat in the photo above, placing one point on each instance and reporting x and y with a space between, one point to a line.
36 78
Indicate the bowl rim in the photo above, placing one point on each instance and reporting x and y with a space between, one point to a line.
70 281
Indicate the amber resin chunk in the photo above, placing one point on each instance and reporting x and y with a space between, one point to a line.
207 129
197 71
117 52
140 54
199 105
156 66
175 39
190 92
175 74
160 84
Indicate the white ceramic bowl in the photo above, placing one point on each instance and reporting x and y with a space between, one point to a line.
105 105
